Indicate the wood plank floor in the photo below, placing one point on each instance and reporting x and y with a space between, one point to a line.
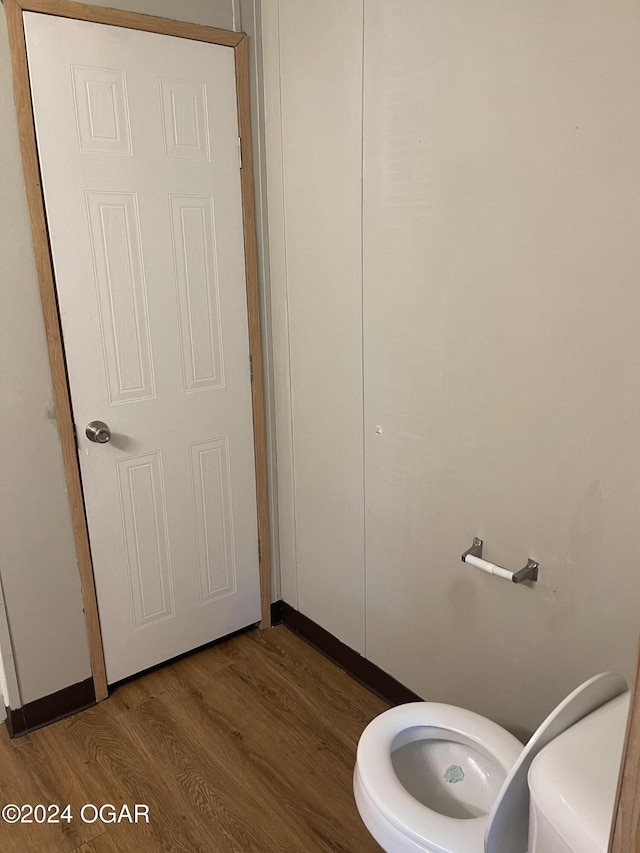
247 746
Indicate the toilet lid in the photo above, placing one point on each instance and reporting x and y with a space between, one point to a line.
428 829
507 828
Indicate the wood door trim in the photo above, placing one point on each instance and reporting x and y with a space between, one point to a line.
130 20
625 827
253 311
48 298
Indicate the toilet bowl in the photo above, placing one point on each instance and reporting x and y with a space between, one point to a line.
440 779
427 776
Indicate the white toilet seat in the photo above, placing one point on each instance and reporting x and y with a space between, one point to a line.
403 824
422 827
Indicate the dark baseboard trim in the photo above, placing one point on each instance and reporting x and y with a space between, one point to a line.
56 706
367 673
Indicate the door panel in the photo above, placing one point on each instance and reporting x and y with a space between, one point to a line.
114 234
138 145
198 291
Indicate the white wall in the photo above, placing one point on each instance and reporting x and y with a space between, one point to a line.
37 556
313 68
9 691
498 233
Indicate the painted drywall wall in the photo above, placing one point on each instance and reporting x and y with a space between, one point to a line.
9 689
498 231
313 68
4 692
4 646
37 557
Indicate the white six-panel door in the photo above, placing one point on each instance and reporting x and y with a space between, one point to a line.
138 144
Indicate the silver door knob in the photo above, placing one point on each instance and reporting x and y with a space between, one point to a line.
98 431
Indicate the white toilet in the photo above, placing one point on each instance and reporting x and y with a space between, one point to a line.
438 779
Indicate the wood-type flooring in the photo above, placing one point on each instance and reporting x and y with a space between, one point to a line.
246 746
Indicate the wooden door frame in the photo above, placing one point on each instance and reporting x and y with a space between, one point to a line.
46 279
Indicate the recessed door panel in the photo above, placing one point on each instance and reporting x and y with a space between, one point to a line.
192 222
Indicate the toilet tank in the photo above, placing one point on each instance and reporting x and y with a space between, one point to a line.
573 781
